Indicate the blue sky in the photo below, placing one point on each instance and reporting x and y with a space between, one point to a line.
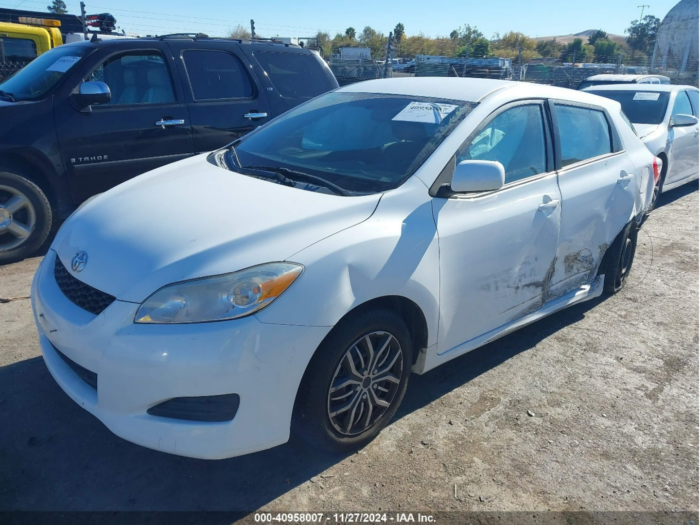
305 17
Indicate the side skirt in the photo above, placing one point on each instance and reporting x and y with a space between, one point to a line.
584 293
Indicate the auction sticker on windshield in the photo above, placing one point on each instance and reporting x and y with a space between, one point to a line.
427 112
646 96
63 64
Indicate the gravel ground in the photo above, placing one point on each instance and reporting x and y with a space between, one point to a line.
593 409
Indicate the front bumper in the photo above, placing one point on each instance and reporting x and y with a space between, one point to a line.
139 366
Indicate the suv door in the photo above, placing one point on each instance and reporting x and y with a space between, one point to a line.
497 248
224 98
144 126
683 153
598 187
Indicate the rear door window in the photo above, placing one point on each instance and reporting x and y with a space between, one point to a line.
216 75
294 75
583 133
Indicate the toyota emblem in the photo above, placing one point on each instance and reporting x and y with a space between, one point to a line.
79 261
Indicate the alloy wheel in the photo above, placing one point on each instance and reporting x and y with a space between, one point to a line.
17 218
365 383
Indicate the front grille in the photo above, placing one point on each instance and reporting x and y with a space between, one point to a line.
85 296
83 373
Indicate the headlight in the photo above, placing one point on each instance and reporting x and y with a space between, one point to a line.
219 298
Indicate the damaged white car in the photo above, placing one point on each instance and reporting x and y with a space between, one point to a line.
295 279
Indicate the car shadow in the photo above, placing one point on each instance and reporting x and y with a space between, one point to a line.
676 193
55 456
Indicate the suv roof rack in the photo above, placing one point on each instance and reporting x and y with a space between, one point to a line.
198 36
180 35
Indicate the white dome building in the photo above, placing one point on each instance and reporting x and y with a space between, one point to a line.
677 38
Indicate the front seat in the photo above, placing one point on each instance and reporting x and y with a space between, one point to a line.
129 94
160 90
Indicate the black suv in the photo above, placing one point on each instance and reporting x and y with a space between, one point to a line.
85 117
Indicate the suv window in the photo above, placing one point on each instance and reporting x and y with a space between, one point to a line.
216 75
136 78
584 133
694 99
294 74
12 49
682 105
515 138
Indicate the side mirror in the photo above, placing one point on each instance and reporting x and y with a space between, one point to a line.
92 93
478 175
684 120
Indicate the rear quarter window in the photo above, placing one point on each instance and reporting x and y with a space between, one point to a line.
294 75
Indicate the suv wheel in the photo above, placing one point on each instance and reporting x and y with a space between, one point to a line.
25 217
355 382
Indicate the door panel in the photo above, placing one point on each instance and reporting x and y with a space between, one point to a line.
496 255
683 153
222 92
599 185
119 140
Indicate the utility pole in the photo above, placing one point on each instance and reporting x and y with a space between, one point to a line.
82 17
642 8
387 62
252 29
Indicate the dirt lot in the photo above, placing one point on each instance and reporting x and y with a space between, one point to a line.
595 408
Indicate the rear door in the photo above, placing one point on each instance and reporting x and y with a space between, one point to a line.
599 185
224 98
143 127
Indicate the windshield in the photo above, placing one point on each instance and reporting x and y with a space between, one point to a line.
641 107
41 74
360 142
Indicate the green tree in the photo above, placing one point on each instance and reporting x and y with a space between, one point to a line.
577 51
373 40
606 51
58 7
549 48
322 43
642 34
512 44
597 35
350 33
399 33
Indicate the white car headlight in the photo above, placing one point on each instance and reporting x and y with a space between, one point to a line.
220 297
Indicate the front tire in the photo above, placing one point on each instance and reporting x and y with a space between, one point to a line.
355 381
25 217
617 263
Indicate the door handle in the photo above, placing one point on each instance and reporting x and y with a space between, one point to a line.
255 115
170 122
624 178
551 205
697 133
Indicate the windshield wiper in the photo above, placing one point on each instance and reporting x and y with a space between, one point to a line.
7 96
292 175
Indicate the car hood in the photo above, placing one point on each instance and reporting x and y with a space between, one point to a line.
644 130
193 219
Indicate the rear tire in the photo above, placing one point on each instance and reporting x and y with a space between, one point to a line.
618 259
343 403
25 217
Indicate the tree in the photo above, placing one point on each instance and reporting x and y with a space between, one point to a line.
350 33
373 40
239 33
58 7
514 44
549 48
597 35
398 36
606 51
642 34
577 52
323 43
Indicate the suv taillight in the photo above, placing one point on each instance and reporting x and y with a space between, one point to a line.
657 169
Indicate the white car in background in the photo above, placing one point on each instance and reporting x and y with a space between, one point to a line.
666 119
607 79
295 279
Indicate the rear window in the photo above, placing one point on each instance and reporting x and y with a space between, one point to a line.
294 75
16 49
584 133
216 75
641 107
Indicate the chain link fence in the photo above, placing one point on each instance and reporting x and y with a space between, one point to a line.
9 68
